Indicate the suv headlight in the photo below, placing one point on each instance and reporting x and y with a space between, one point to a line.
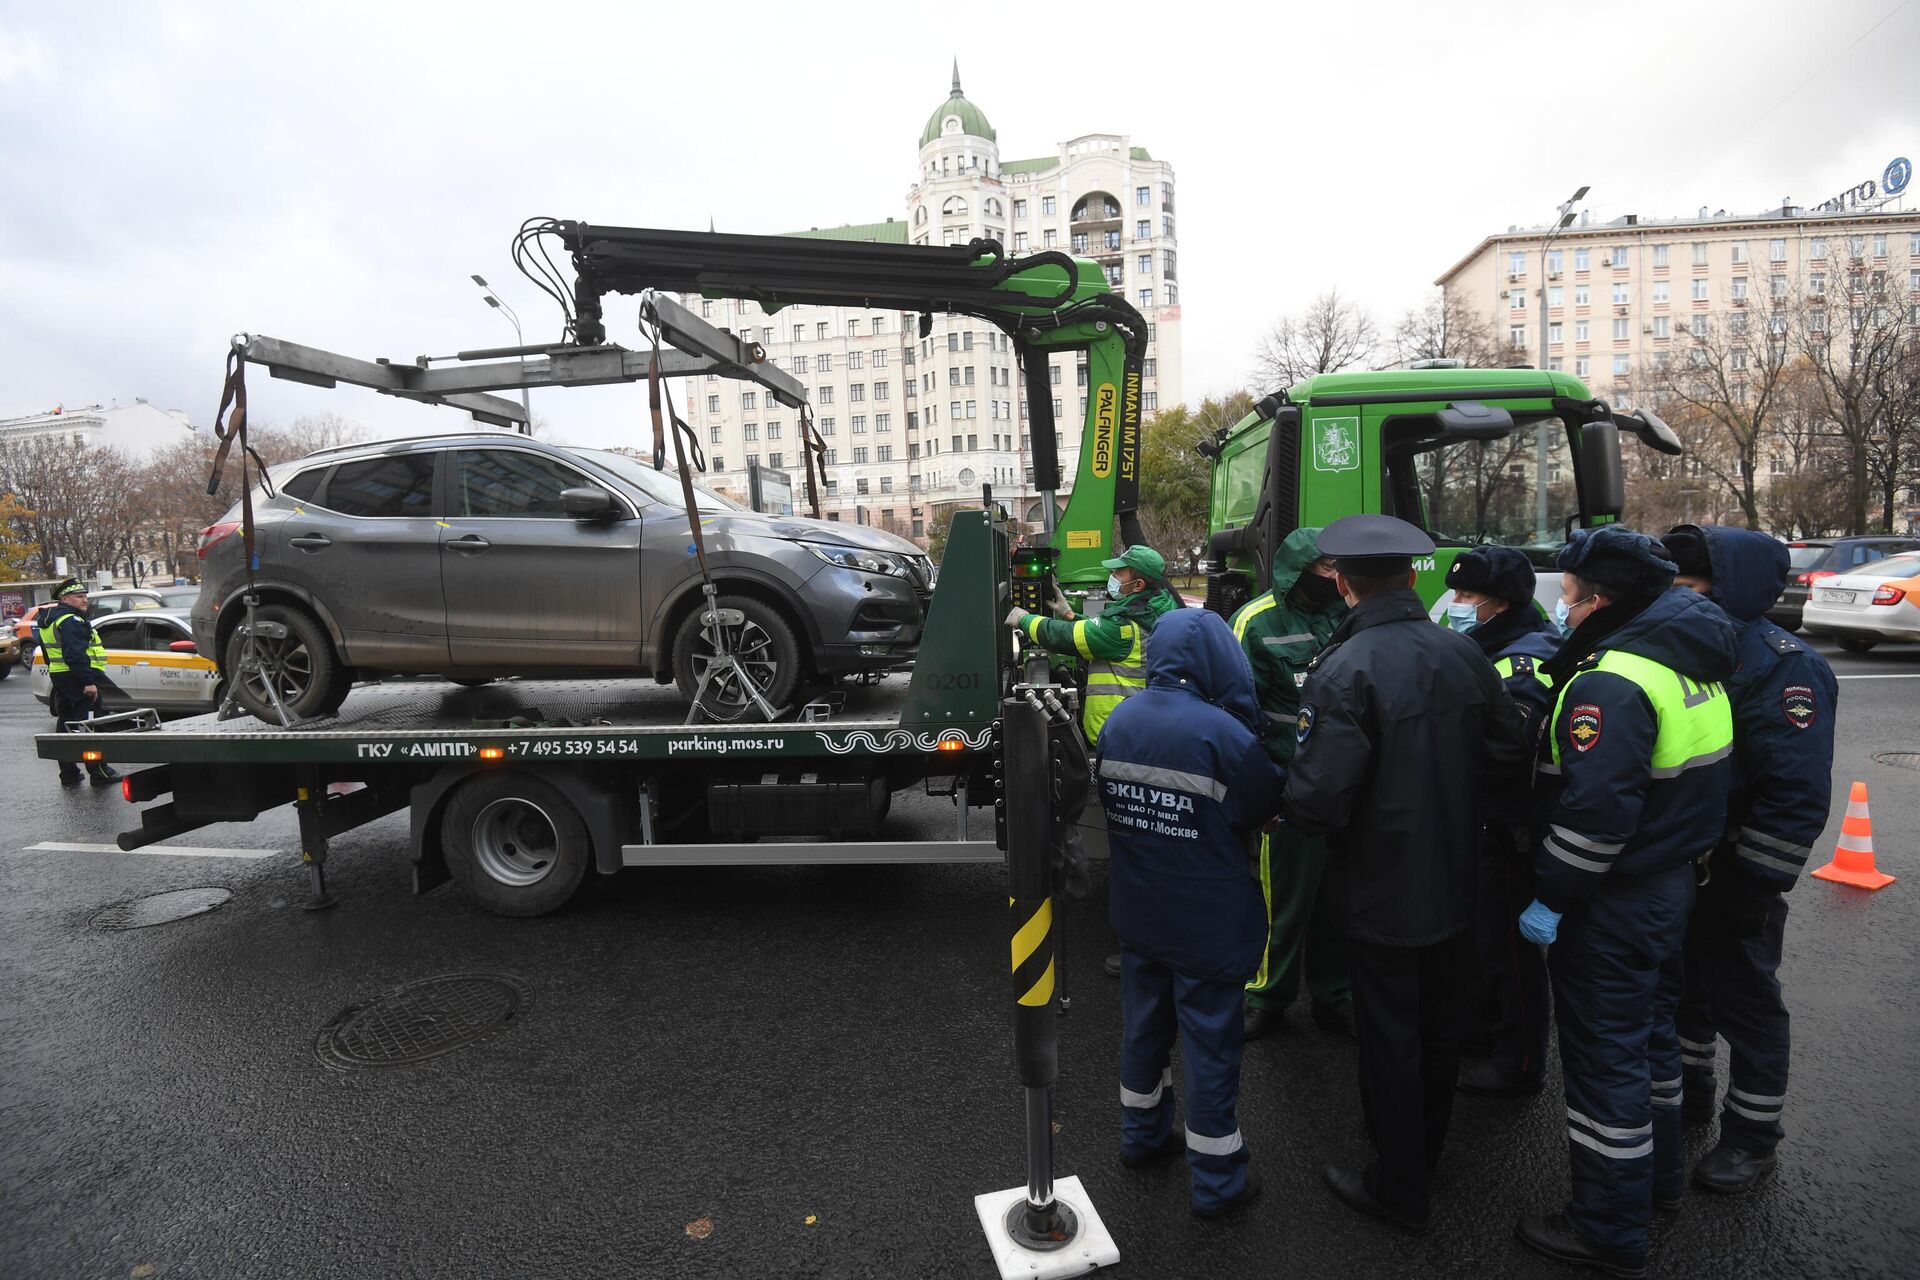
859 558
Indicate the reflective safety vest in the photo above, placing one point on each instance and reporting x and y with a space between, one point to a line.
50 644
1110 682
1695 721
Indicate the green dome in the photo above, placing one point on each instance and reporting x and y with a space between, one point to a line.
973 121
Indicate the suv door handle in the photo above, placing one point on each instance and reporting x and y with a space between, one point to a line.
310 541
471 542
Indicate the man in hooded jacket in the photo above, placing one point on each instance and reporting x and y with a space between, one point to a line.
1493 606
1282 633
1186 788
1641 742
1783 717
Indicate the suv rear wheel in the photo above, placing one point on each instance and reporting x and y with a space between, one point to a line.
301 666
767 650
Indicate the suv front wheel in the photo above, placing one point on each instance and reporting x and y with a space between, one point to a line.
300 666
764 643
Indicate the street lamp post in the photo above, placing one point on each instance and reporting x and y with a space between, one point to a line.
1540 448
526 404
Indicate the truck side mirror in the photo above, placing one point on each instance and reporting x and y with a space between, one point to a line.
1471 420
1603 487
586 503
1653 432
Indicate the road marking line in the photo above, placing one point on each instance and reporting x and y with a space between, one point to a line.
177 851
1914 676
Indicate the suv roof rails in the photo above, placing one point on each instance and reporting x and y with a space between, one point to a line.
394 446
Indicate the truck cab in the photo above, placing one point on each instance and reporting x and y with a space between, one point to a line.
1453 450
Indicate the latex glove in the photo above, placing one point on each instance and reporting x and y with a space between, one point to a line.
1058 603
1017 618
1540 923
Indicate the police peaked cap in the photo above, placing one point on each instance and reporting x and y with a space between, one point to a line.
1501 572
71 586
1374 546
1624 563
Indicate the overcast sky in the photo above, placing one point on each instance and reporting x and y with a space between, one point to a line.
330 173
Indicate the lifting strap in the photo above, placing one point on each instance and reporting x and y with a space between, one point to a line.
813 450
229 431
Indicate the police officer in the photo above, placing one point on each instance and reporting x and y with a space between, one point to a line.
1783 716
77 661
1282 632
1642 742
1493 606
1185 787
1397 721
1114 644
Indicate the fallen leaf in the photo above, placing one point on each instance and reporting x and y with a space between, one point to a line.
1056 1126
142 1271
811 1219
700 1228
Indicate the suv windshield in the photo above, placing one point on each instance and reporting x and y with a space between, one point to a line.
658 485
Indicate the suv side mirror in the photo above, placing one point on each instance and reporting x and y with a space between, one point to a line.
1471 420
1602 484
183 646
586 503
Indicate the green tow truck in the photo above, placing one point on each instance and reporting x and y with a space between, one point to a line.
1453 450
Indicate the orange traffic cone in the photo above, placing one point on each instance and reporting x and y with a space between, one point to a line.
1853 856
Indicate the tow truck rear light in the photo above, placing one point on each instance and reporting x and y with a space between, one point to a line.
952 744
126 790
1804 578
1889 595
214 533
91 757
492 753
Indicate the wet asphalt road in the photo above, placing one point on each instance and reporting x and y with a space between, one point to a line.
815 1062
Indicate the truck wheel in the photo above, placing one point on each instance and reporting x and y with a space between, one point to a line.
515 843
765 645
302 667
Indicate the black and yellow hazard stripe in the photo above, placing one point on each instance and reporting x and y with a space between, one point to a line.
1032 951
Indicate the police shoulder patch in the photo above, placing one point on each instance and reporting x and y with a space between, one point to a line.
1784 643
1303 726
1584 725
1799 704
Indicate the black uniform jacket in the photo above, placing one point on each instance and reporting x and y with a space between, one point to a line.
1399 720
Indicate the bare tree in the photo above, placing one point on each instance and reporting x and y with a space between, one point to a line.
1852 337
1448 327
1330 335
306 435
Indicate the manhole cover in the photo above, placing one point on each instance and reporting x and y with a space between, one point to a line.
160 908
1898 759
421 1020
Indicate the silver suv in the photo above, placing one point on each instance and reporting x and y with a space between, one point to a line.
489 554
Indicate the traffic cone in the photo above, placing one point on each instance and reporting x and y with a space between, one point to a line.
1853 856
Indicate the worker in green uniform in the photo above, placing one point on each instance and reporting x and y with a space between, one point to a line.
1114 644
1282 632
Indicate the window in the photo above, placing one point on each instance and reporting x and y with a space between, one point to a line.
1581 330
719 463
1056 412
1145 264
706 308
1699 253
853 328
856 360
966 341
1662 327
1817 248
1777 286
776 458
397 485
1700 290
1582 295
953 375
1697 326
826 426
799 362
881 390
1660 255
826 362
1619 256
1556 295
967 478
1619 295
1019 239
880 322
713 435
507 483
1880 245
749 400
1620 329
1517 335
750 431
766 336
824 395
773 433
1913 245
1776 251
860 486
304 485
1555 261
859 424
1553 333
1739 252
1143 196
833 491
969 375
1582 259
1516 264
859 456
1019 208
857 393
1143 230
884 453
972 407
1913 281
1660 291
820 329
1148 366
1619 366
1048 207
1739 290
1516 299
1582 366
1150 401
1054 374
1146 297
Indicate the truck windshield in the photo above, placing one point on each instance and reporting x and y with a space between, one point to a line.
1470 492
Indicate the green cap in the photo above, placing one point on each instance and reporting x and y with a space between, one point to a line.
69 587
1143 560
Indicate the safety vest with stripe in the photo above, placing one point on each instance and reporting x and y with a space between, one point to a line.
1694 720
1111 681
57 659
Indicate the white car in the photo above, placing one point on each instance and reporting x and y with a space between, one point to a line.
1875 602
147 665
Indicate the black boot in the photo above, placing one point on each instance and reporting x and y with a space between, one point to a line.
1730 1170
1112 965
1551 1234
1350 1189
1258 1022
1484 1080
1336 1017
72 779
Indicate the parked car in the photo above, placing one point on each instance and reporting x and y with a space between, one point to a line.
488 554
108 600
151 662
9 651
181 597
1878 601
1813 559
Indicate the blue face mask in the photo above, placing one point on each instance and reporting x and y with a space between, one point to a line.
1113 587
1560 613
1463 617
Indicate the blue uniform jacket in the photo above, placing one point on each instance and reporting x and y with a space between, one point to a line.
1529 639
75 634
1612 816
1784 696
1186 786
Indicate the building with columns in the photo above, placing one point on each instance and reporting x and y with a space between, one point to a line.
911 422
